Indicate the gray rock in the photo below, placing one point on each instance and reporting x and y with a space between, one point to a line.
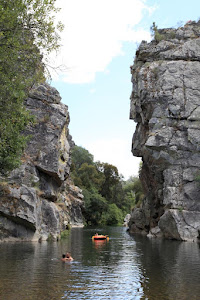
38 199
127 219
180 224
155 232
165 103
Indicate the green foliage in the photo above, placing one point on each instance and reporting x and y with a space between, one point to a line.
99 211
168 35
64 234
84 171
107 197
80 156
197 177
157 36
27 33
95 205
12 142
172 35
113 215
110 182
180 209
89 176
101 186
134 193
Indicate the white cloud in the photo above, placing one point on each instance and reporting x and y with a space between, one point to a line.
94 32
116 152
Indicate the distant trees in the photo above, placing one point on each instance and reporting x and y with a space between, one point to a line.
110 181
133 191
27 32
108 198
84 171
80 156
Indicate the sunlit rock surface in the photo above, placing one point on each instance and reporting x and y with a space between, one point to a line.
165 103
38 200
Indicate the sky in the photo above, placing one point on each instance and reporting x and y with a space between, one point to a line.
93 68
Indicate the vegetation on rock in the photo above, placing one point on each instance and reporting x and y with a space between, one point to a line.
159 34
155 34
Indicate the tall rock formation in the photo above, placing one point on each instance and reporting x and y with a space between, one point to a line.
165 103
38 200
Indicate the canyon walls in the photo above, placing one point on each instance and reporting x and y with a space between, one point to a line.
38 199
165 104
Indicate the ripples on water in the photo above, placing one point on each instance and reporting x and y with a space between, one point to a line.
125 268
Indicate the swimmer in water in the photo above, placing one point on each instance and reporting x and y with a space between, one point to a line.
66 257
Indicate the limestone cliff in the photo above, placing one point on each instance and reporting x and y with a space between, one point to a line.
38 200
165 103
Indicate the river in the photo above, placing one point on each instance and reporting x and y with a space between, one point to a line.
124 268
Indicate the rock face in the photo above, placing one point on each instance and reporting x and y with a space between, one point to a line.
127 219
165 103
38 200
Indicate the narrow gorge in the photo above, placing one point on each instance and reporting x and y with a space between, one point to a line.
38 199
165 104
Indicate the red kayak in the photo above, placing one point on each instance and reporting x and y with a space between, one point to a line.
100 237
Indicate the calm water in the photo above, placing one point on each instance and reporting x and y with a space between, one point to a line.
125 268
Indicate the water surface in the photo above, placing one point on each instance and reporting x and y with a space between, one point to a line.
125 268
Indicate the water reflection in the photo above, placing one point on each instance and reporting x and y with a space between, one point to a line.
99 244
171 269
126 267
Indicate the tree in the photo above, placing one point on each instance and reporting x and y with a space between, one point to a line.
111 180
102 188
27 33
80 156
95 205
89 176
133 192
155 33
112 216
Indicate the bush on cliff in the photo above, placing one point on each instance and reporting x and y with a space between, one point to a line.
155 34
